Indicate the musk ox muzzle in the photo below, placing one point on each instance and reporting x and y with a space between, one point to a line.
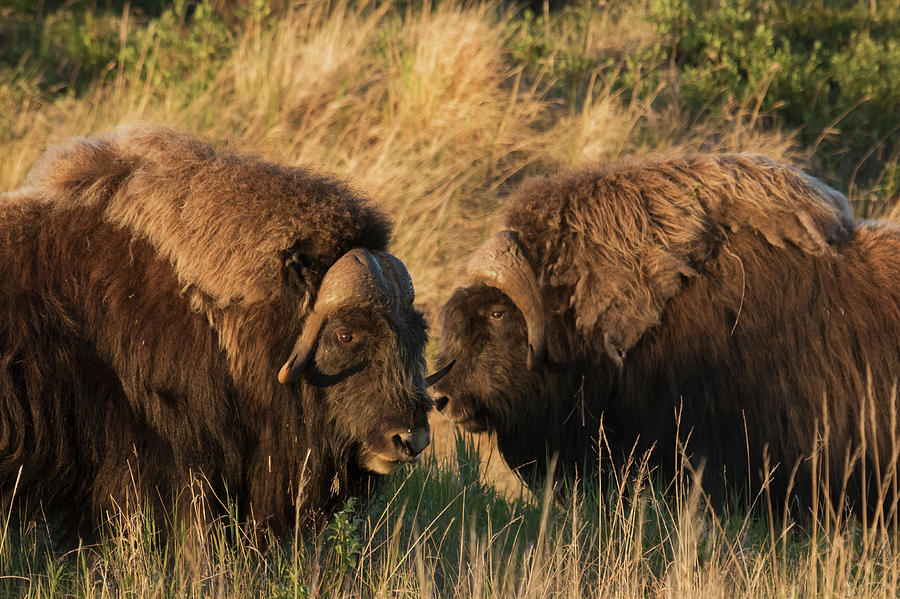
402 447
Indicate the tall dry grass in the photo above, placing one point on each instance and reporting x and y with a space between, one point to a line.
439 531
419 108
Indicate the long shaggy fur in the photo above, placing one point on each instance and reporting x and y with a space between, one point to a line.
729 293
150 289
218 217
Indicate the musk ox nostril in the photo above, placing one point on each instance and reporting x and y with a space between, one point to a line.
399 445
412 443
441 402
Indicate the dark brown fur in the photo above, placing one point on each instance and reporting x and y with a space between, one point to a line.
121 371
719 309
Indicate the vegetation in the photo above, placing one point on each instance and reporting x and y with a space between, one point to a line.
823 69
436 109
439 530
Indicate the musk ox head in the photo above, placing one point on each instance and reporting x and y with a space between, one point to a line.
494 335
586 267
363 342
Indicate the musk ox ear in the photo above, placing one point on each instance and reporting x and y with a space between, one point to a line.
302 271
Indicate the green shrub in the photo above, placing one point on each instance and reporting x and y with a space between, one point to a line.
825 69
76 45
828 69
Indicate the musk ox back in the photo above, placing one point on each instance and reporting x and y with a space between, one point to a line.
170 313
723 303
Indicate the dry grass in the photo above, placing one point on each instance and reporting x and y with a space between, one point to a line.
439 531
419 108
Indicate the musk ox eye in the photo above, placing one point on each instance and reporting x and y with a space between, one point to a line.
496 314
345 336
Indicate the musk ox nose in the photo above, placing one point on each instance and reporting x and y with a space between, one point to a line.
412 442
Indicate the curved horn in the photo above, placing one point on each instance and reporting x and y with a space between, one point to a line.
500 262
431 379
359 277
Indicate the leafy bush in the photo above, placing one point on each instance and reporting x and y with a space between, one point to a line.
75 45
344 534
828 69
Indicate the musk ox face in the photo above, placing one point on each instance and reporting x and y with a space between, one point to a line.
495 330
361 348
370 374
485 337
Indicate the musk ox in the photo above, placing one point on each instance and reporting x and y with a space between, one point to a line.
722 303
171 313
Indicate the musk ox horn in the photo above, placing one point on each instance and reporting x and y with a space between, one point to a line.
431 379
358 278
500 262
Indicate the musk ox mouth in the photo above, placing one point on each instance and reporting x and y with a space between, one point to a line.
386 465
402 446
468 422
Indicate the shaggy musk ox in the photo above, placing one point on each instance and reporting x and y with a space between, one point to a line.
170 313
732 291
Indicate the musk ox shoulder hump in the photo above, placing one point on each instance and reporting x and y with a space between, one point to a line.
219 217
623 237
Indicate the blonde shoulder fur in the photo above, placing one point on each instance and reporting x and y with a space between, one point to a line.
221 218
621 239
